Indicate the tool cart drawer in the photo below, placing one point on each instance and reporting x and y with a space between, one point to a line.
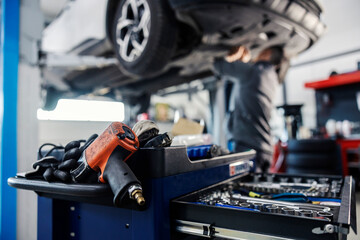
267 206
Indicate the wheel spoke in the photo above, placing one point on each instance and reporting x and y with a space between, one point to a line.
124 10
134 8
144 23
135 53
139 47
123 23
141 4
125 44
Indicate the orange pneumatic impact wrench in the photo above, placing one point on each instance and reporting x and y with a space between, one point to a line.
107 155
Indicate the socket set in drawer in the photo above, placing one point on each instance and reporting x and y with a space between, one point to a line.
269 206
230 198
324 187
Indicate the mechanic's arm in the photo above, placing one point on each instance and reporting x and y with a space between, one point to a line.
234 64
233 69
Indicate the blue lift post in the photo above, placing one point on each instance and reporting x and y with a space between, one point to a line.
8 109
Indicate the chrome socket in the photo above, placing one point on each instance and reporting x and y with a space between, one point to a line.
284 180
245 205
272 209
323 214
270 178
297 179
257 178
258 206
288 211
306 213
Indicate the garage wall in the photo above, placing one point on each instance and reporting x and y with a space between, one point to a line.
343 37
28 99
62 132
31 25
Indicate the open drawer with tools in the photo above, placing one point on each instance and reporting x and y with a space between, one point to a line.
268 206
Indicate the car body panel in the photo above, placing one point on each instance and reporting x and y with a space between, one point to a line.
51 9
81 22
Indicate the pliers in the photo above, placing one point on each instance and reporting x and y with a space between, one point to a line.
289 197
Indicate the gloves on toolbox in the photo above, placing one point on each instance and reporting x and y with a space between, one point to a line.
51 168
148 135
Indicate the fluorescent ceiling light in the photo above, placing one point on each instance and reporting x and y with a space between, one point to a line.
84 110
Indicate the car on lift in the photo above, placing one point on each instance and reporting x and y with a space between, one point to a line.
162 43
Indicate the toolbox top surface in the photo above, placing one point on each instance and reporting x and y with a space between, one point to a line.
163 162
147 163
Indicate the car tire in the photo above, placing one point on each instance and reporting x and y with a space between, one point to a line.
311 160
312 146
322 171
144 36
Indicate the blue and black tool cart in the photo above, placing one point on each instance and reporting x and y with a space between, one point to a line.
86 211
215 197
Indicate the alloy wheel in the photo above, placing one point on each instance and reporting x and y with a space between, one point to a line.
132 29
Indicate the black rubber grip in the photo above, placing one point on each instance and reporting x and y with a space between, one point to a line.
118 174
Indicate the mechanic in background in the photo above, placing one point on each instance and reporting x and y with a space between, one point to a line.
253 88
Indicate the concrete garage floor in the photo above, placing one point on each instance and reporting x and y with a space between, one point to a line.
352 235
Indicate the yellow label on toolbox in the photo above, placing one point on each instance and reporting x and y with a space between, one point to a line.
239 168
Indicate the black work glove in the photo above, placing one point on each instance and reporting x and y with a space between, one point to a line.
53 169
161 140
145 130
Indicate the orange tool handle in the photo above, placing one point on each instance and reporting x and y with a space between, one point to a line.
117 134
